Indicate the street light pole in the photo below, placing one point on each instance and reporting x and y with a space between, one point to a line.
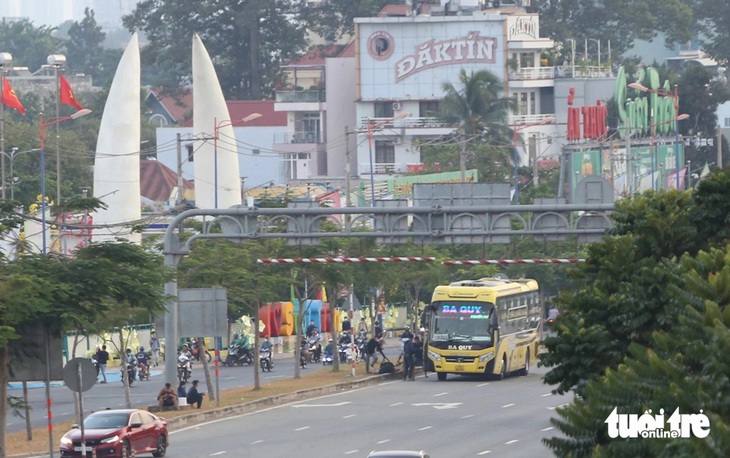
515 137
371 127
677 117
6 60
218 126
42 124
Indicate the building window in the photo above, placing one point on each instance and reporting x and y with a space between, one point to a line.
533 104
384 109
429 108
384 152
727 122
522 107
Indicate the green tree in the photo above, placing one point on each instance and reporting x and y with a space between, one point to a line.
30 46
618 295
620 21
684 369
713 17
84 48
247 41
478 110
334 20
103 286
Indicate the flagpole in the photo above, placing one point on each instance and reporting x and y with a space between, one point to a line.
6 60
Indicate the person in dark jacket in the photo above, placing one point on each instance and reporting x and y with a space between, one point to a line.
195 397
374 345
409 351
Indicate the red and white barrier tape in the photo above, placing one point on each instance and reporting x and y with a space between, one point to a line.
343 260
512 261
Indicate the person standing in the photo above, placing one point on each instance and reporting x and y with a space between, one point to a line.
374 345
195 397
409 350
155 347
102 358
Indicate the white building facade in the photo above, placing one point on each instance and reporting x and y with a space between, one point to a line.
404 61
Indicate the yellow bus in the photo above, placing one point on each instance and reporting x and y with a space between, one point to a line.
489 326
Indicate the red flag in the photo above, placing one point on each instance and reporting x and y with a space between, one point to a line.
10 99
67 95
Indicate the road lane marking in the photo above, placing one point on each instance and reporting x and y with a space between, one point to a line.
217 453
383 441
438 405
349 416
351 452
425 428
483 384
547 429
484 452
508 405
440 394
337 404
396 404
256 442
511 442
467 416
545 395
302 428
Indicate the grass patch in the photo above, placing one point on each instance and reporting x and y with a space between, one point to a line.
313 376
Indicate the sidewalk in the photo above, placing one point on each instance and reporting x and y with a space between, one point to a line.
111 377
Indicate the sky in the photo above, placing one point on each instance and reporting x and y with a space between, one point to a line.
108 13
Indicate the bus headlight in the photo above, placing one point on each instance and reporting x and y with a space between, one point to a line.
487 357
434 356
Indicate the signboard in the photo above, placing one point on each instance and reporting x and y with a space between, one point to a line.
202 312
28 356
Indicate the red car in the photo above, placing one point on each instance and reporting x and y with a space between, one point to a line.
114 433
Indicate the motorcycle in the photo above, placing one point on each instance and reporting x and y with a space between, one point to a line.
327 358
131 372
345 352
265 360
238 355
197 353
184 370
360 343
315 349
144 371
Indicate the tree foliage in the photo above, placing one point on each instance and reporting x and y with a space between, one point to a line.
334 20
620 21
640 330
247 41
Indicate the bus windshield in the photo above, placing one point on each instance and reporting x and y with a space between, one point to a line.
462 321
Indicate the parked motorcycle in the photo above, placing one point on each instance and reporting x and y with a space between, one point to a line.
184 368
265 360
345 352
238 355
327 358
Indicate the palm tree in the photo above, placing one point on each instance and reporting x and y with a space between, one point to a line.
478 109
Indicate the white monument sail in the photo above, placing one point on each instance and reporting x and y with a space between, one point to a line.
116 167
217 177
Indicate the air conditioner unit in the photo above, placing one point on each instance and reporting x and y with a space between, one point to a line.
397 141
396 106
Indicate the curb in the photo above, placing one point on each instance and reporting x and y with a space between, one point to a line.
284 398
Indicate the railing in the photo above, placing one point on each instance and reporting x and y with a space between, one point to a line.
408 123
297 137
301 96
583 71
382 168
533 73
529 119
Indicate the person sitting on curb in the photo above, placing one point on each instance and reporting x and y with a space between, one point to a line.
167 398
195 397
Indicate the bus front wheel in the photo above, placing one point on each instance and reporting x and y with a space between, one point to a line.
441 376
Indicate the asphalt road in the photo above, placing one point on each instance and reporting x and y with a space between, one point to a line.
460 417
